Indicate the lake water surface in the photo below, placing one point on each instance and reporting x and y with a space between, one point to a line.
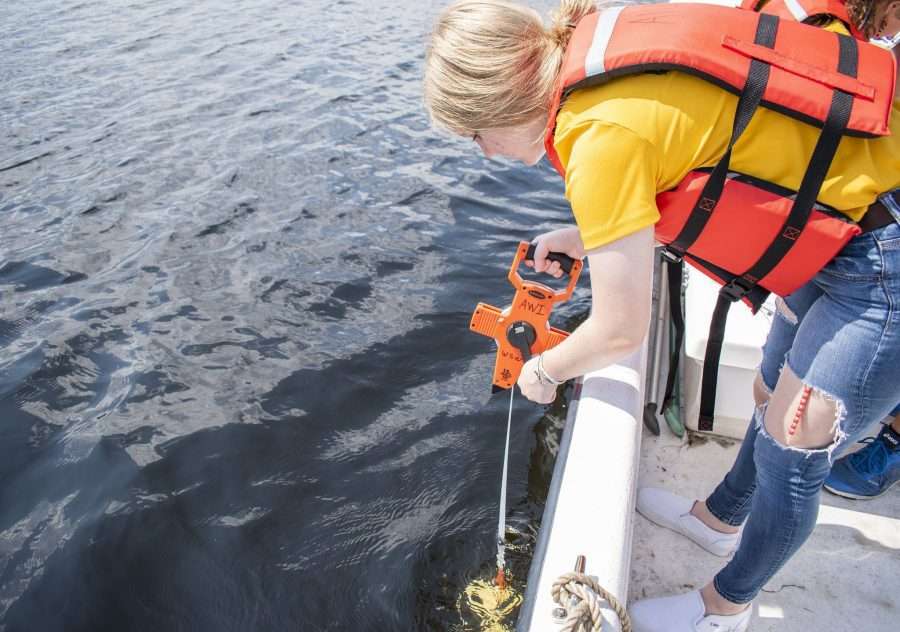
237 389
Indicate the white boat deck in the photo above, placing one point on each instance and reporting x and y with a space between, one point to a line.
846 577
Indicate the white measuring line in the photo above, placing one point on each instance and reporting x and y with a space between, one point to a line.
501 522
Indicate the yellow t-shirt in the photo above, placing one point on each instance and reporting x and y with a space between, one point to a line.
623 142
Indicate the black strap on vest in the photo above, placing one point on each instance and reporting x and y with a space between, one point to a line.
756 297
751 95
823 154
743 285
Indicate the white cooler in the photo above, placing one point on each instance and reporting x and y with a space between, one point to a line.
745 334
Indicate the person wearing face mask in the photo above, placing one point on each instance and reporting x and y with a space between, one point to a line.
755 148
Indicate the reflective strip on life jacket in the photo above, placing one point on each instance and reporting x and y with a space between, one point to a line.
796 10
594 61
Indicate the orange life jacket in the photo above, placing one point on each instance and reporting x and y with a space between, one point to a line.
751 236
804 10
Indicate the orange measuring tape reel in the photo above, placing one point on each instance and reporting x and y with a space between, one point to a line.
522 329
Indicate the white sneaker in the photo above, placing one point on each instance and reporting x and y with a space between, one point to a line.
674 512
683 613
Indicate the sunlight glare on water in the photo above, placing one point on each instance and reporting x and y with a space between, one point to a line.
237 387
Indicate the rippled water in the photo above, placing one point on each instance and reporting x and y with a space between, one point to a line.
237 390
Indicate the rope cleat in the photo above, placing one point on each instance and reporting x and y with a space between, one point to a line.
522 329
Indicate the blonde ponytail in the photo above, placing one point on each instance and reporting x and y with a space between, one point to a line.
566 17
493 63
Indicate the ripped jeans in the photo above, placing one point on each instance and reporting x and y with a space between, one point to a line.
839 333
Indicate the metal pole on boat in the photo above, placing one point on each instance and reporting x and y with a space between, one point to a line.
653 407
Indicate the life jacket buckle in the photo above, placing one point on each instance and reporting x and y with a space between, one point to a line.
672 256
737 289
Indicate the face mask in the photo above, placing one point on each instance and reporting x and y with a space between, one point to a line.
886 42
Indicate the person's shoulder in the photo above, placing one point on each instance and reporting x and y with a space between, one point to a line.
595 146
593 136
612 101
647 103
622 104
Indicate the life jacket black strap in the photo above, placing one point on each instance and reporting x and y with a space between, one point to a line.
756 297
675 271
819 164
714 342
751 96
747 283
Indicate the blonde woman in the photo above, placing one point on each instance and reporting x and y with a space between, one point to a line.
832 364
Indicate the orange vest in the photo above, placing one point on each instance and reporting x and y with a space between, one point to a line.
803 61
829 80
803 10
753 237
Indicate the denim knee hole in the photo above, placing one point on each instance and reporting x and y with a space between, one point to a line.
837 432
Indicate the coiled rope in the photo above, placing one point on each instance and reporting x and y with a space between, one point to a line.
585 615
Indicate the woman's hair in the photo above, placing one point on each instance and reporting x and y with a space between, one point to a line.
861 13
493 63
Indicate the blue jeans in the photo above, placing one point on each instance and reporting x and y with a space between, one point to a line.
840 334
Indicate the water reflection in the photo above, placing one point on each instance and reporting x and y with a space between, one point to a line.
237 389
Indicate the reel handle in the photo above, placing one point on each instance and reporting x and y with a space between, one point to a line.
565 261
526 250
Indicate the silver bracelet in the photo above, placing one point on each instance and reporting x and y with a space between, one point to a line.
543 376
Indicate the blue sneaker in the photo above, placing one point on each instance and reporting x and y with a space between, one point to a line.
869 472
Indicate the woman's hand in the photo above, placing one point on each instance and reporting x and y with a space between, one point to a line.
532 387
565 240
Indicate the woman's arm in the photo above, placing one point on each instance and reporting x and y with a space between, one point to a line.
621 285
